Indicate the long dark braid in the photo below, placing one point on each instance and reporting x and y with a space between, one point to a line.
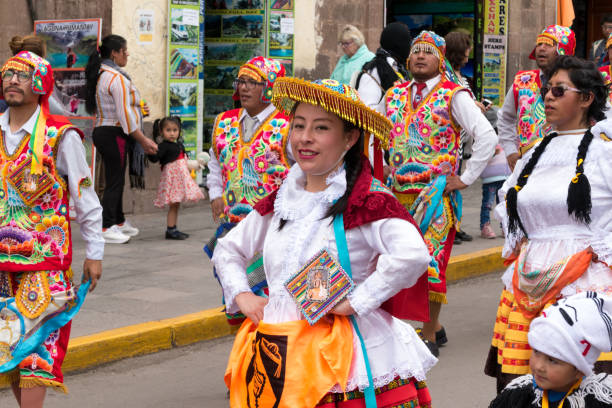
579 190
514 220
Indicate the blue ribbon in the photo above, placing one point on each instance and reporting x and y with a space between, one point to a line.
345 262
25 347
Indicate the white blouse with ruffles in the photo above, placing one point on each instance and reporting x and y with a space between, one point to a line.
542 207
386 256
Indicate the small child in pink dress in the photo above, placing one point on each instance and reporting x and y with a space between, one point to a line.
175 185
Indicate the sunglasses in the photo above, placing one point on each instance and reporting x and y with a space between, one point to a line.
557 91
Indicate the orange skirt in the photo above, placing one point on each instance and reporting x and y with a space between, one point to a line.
289 364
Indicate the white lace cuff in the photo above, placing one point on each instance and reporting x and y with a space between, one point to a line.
602 246
369 295
233 280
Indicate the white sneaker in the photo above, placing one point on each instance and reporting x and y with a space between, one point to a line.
128 229
112 235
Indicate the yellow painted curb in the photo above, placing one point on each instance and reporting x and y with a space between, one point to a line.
146 338
474 264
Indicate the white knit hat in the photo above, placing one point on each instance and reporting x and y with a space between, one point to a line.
576 330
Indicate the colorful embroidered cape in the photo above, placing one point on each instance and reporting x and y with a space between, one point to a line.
250 170
34 215
531 120
371 201
606 72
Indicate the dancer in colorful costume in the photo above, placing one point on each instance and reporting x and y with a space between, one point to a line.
606 70
428 114
557 215
329 201
249 157
43 165
567 339
521 120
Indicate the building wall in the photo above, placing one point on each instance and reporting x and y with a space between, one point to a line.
527 19
146 62
147 68
318 25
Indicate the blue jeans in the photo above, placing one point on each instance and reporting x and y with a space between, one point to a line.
489 195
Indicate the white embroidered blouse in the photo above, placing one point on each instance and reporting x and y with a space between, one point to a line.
386 256
553 233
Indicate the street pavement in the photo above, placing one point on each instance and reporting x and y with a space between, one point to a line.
151 278
192 376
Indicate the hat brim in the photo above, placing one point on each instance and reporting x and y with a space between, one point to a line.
290 91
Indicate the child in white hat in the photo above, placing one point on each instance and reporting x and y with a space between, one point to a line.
566 340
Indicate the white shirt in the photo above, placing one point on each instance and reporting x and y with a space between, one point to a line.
542 207
469 116
507 120
70 163
214 179
385 255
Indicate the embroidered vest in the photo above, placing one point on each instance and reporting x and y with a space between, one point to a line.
531 120
425 141
250 170
606 72
34 215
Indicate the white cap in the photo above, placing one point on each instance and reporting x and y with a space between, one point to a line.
576 330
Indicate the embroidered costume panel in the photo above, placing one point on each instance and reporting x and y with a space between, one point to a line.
250 170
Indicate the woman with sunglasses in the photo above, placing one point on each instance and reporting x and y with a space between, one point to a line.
557 215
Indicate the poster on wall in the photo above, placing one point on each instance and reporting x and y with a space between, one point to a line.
146 23
494 48
235 32
69 42
184 68
280 32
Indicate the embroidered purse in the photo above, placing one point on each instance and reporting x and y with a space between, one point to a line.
319 286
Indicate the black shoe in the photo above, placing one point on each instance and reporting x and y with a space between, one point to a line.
175 234
464 236
186 235
457 240
441 337
433 348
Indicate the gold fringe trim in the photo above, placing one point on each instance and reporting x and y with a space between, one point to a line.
437 297
12 376
33 382
288 91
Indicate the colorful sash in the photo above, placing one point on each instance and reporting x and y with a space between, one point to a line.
20 335
290 364
533 290
437 216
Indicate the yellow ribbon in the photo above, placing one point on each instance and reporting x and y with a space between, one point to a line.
545 396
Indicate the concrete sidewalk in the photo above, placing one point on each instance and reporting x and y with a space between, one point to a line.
157 294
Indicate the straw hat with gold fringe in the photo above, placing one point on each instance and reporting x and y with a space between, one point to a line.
341 100
334 97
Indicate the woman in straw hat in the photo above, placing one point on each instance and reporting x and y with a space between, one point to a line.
294 351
